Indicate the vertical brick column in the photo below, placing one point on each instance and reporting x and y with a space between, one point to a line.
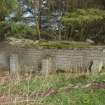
48 66
14 65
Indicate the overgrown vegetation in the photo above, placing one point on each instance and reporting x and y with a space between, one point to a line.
60 89
18 30
6 7
26 43
81 24
75 21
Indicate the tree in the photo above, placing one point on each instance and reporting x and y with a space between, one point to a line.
36 7
81 24
103 2
6 7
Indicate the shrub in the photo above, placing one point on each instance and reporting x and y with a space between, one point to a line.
4 30
17 30
84 23
6 7
22 31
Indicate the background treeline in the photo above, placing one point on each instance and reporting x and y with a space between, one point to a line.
74 20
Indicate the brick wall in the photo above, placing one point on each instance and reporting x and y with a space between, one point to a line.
64 59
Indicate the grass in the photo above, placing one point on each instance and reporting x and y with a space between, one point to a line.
25 43
43 44
71 96
64 45
59 45
78 97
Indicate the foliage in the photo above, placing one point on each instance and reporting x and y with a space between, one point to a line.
81 16
78 24
18 30
21 30
6 7
83 23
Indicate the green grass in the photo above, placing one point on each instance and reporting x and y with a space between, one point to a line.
78 97
73 96
64 44
61 45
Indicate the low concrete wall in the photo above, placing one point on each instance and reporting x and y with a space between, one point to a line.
70 60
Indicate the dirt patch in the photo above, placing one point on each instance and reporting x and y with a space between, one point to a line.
99 86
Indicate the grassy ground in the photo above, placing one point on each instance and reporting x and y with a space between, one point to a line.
59 89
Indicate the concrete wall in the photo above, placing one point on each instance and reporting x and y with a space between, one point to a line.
71 60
